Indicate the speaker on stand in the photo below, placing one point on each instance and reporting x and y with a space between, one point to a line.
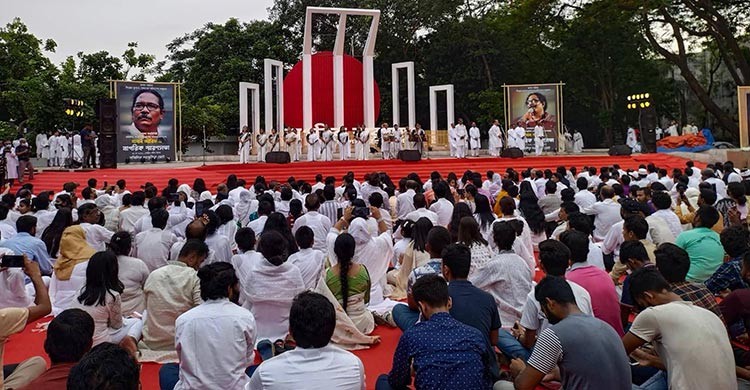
106 112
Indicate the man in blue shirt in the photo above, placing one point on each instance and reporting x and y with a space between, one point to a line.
24 243
444 353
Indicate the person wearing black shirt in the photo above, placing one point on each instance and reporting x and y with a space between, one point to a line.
88 143
23 152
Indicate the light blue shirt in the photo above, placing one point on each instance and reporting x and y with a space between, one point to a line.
34 248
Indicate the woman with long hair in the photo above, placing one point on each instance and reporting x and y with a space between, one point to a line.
459 211
349 282
100 297
532 213
132 272
53 233
295 211
414 256
470 235
275 284
278 222
484 216
228 226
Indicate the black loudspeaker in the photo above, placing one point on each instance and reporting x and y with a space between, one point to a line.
512 153
106 112
278 157
620 150
409 155
648 132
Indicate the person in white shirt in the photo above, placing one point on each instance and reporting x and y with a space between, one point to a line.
131 215
581 223
215 341
663 203
396 144
420 210
577 141
309 261
606 213
474 139
152 246
539 137
315 363
265 209
263 146
452 139
506 276
244 261
132 272
219 246
272 285
245 141
460 136
554 258
708 176
523 246
362 143
313 145
517 137
319 223
96 235
442 206
326 140
291 140
405 200
495 139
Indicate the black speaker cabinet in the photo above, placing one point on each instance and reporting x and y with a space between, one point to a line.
108 150
512 153
409 155
278 157
620 150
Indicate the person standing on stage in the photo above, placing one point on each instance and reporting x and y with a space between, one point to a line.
88 142
517 137
452 139
326 138
568 140
386 135
659 132
291 139
313 143
362 144
418 138
672 129
53 149
475 142
345 150
539 139
577 141
23 152
77 148
42 146
262 139
273 141
245 141
631 139
396 145
461 136
495 139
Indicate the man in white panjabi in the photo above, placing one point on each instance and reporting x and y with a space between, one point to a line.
63 149
326 139
495 141
245 141
262 139
386 135
291 139
53 149
462 137
659 132
313 143
345 150
274 142
452 139
42 146
362 143
475 142
672 129
539 140
77 148
518 137
577 141
396 144
631 139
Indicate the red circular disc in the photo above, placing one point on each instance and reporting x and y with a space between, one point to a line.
322 92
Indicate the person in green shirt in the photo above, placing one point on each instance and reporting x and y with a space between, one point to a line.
702 244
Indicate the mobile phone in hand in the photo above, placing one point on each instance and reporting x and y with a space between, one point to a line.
12 261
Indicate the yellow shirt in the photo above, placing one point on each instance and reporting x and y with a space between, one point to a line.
12 321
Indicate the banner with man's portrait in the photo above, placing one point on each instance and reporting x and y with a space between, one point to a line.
145 121
532 105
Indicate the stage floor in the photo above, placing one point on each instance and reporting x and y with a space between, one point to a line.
216 173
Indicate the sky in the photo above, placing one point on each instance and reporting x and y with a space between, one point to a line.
94 25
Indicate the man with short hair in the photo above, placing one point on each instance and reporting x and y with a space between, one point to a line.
25 243
319 223
405 200
426 347
635 228
308 260
265 209
442 206
554 258
106 366
691 342
244 261
663 204
23 152
584 198
420 210
702 244
606 213
170 291
69 337
132 214
225 344
634 256
596 281
330 208
674 263
587 350
728 277
153 245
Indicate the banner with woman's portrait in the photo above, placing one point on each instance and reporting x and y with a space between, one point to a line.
532 105
145 121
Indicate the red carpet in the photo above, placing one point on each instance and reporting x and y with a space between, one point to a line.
215 174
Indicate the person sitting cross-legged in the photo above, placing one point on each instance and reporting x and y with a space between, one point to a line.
314 363
587 350
215 340
692 343
442 352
